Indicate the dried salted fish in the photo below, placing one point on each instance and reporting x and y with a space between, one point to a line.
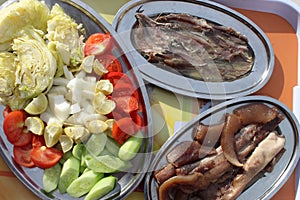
193 47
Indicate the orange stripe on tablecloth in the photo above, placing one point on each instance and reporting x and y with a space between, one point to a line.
7 174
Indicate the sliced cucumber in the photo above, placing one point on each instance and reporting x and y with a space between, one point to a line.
131 147
51 177
69 172
112 146
65 157
103 187
84 183
84 157
96 143
105 152
78 150
107 164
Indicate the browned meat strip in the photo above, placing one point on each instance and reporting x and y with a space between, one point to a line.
232 126
207 135
165 173
187 152
255 113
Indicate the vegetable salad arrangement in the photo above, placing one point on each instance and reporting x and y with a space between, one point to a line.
70 108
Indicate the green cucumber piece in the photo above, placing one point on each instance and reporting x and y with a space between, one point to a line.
78 150
105 152
96 143
103 187
84 157
112 146
51 177
65 157
84 183
131 147
69 172
107 164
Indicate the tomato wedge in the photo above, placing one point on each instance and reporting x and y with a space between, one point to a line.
13 125
126 104
24 139
22 156
138 120
44 157
125 89
110 62
117 78
123 129
98 43
38 141
6 111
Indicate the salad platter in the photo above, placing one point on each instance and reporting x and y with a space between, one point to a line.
209 75
69 92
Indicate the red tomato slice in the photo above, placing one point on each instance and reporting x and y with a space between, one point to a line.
22 155
13 125
38 141
125 89
25 138
138 120
123 129
115 114
44 157
110 62
98 43
117 78
127 104
6 111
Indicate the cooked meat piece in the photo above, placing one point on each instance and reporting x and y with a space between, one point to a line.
165 173
188 184
207 135
187 152
260 157
246 140
228 144
256 113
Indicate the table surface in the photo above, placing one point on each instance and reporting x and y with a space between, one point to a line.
280 86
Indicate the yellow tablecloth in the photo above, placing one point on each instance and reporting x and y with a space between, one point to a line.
169 108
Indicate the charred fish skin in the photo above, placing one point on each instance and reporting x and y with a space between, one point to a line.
193 47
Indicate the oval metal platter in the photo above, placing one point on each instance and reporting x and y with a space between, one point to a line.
125 20
127 181
267 184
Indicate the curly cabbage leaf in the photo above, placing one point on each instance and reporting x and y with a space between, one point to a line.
15 17
35 67
64 38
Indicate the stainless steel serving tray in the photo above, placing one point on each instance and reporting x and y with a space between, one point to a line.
267 185
125 20
127 181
